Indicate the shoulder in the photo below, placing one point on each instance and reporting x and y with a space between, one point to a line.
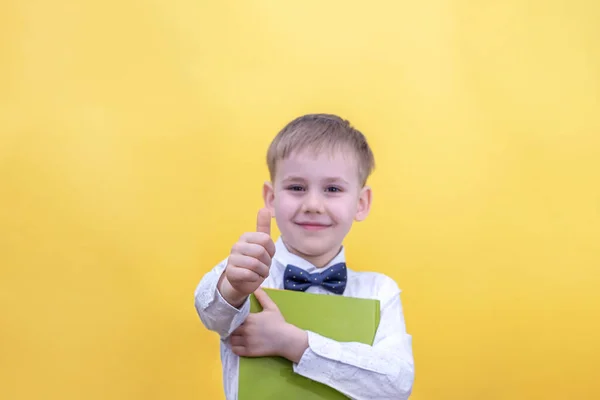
375 278
373 284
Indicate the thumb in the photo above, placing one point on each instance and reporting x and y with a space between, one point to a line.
263 221
264 300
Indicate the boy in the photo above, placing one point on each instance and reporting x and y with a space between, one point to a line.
318 166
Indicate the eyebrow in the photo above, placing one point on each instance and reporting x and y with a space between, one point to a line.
328 179
336 179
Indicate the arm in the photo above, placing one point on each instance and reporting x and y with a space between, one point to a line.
214 311
221 297
382 371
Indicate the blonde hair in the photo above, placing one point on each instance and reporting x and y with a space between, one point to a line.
318 132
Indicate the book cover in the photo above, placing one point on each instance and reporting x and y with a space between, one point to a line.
344 319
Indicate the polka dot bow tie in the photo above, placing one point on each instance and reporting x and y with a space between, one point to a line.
332 279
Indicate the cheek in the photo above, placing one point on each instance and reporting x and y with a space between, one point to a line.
285 204
344 210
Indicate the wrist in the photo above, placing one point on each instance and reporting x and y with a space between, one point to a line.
295 343
232 296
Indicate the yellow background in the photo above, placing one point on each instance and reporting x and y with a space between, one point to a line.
132 151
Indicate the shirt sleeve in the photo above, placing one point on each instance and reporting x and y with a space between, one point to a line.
214 311
382 371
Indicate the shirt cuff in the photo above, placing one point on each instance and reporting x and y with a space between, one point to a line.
321 349
311 365
222 310
237 315
324 347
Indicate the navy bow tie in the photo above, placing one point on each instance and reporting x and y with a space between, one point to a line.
333 278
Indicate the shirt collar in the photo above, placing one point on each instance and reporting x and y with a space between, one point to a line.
284 257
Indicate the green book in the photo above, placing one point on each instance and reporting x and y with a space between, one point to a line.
344 319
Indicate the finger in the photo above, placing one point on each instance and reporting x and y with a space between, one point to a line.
239 331
269 245
236 340
251 264
237 275
264 300
255 251
260 238
240 351
242 275
263 221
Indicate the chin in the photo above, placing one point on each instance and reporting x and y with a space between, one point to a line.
312 247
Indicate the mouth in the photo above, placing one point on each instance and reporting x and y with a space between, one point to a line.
312 226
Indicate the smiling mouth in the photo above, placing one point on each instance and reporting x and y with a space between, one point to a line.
313 227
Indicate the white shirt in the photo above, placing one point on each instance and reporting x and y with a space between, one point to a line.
379 372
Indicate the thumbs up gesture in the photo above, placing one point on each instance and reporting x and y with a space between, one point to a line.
249 261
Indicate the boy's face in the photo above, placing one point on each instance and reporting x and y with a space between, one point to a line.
315 198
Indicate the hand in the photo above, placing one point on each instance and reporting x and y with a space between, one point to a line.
268 334
249 262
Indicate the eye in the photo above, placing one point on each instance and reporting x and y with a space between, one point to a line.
295 188
334 189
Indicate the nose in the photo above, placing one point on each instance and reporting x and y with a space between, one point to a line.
313 203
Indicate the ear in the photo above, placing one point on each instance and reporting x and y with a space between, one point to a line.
269 197
364 203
